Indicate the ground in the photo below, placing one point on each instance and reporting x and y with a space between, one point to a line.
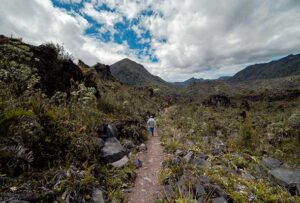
147 188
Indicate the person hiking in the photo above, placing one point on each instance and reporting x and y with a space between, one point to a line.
151 124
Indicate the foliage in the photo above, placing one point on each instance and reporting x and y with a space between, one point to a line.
61 52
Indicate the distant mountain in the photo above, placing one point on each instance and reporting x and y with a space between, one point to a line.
286 66
132 73
188 82
224 78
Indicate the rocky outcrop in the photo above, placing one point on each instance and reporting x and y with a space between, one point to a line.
217 100
289 178
40 67
103 71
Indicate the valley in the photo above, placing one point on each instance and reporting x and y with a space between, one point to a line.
70 132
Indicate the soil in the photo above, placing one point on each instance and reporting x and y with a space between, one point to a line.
147 188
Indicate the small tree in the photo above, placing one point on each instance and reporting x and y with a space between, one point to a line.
62 53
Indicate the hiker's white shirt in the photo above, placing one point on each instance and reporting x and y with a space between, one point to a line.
151 123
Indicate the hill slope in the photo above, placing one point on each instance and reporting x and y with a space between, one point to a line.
188 82
132 73
286 66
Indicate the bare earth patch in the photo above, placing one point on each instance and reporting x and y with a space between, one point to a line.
147 188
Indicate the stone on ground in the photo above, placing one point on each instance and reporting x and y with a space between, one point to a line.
112 150
271 163
289 178
120 163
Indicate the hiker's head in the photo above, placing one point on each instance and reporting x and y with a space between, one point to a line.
151 116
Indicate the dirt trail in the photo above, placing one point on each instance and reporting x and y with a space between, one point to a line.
147 188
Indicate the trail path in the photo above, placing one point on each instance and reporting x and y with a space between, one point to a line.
147 188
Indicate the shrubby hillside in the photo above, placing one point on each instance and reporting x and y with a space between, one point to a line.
69 132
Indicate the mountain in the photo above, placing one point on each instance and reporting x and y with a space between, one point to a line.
286 66
132 73
224 78
188 82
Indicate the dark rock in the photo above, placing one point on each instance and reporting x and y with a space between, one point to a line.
97 196
243 115
137 163
188 156
245 105
289 178
176 160
218 100
199 190
182 186
201 200
120 163
107 131
112 150
217 151
179 152
200 161
271 163
99 143
219 200
103 71
215 190
142 147
169 191
128 144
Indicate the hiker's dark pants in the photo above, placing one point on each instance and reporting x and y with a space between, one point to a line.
151 131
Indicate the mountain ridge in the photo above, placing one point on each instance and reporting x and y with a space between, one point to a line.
132 73
286 66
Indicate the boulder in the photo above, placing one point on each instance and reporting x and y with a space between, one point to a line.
289 178
271 163
107 131
120 163
112 150
97 196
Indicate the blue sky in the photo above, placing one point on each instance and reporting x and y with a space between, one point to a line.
173 39
123 30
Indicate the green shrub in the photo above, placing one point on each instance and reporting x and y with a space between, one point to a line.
248 136
14 113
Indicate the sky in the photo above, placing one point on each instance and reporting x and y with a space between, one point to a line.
174 39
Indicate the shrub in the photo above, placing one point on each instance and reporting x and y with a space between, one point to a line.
248 136
61 52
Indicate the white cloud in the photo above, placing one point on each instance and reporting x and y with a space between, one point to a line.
71 1
103 17
39 22
202 38
212 35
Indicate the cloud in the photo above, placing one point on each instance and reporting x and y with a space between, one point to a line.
210 35
201 38
107 18
39 22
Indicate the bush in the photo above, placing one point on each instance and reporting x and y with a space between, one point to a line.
248 136
61 52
